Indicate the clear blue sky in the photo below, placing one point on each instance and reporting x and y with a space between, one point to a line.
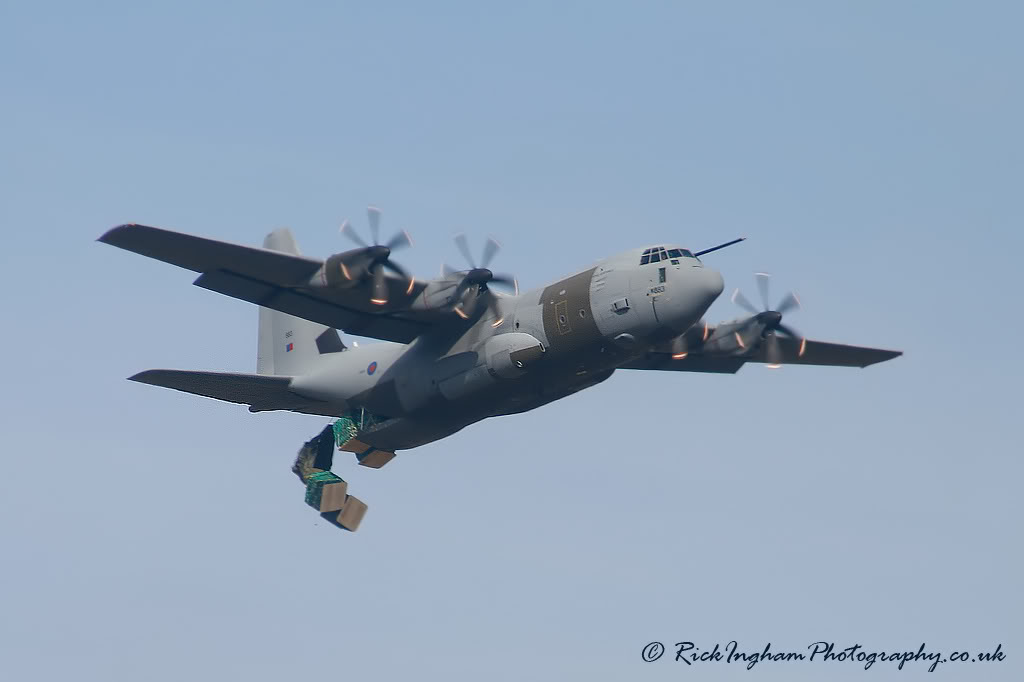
872 153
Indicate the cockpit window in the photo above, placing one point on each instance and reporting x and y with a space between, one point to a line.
656 254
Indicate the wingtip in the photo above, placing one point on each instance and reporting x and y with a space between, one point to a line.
142 377
889 355
110 236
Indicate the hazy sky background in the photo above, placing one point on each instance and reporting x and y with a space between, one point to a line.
871 151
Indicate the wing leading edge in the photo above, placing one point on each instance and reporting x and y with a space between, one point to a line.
815 353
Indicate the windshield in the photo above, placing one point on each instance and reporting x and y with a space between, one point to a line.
656 254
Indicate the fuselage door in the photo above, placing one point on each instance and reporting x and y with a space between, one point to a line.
646 288
657 271
667 276
659 287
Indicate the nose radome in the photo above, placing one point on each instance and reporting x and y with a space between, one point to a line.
713 282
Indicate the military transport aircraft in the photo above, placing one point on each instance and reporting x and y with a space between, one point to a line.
468 344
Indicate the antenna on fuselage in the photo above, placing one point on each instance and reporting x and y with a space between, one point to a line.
720 246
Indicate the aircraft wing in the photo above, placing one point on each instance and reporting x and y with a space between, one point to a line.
815 353
273 279
260 392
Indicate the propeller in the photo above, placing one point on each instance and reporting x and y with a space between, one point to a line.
694 337
371 260
770 319
477 282
680 348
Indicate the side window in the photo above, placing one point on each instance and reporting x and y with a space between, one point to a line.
655 257
661 275
644 260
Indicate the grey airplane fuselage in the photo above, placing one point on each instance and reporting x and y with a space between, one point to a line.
548 343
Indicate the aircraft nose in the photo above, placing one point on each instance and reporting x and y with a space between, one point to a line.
712 283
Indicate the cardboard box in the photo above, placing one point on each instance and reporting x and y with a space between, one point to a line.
326 492
354 445
375 459
352 513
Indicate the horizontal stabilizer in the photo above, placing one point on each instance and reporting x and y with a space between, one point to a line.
260 392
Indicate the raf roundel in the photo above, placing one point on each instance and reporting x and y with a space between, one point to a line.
372 368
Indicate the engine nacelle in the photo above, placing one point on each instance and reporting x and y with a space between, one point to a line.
736 338
340 271
502 357
436 295
510 355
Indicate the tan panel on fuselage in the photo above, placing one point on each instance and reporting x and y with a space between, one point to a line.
567 314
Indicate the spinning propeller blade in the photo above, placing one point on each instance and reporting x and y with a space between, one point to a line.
739 299
763 282
370 261
490 249
380 287
771 320
463 244
478 282
680 348
373 216
772 351
399 241
507 283
788 303
350 232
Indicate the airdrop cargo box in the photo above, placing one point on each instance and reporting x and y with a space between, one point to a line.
326 492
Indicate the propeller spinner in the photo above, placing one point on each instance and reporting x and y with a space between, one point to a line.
371 260
770 319
475 284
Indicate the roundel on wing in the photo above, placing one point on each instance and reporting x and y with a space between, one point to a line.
372 368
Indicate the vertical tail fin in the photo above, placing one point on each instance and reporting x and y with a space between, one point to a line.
289 345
